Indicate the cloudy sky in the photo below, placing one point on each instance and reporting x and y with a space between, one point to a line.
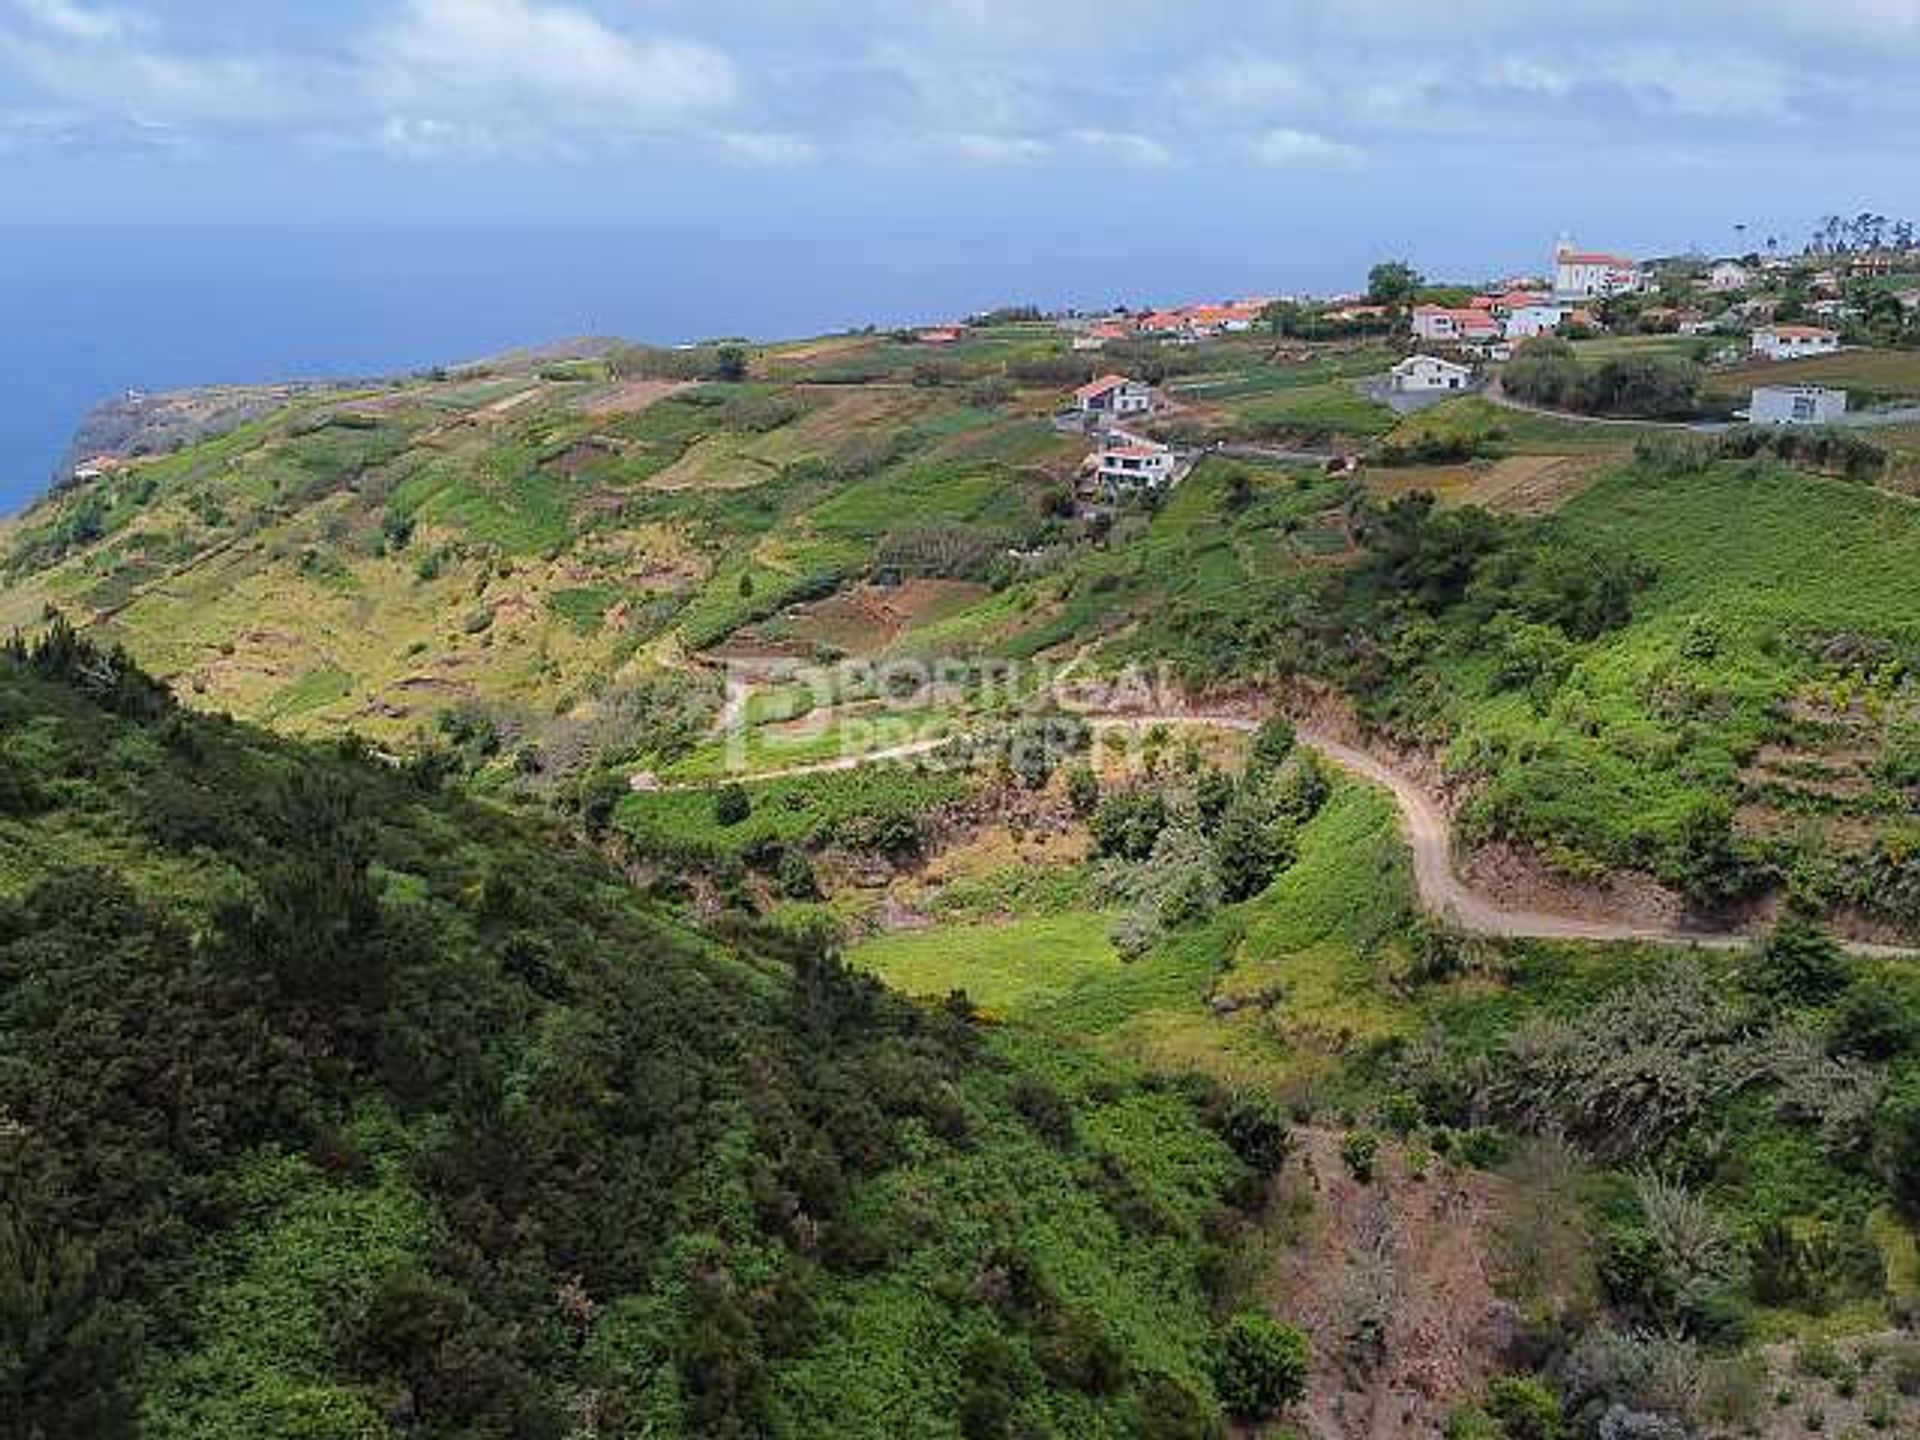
217 105
366 182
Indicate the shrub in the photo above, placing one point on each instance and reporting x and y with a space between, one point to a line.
1525 1408
1798 964
731 804
1272 742
1170 1411
796 877
1361 1149
1253 846
1257 1130
1874 1022
1083 790
1473 1423
1261 1366
1128 824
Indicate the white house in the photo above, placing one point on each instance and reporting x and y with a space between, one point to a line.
1441 322
1419 373
1127 462
1728 275
1586 274
1796 405
1113 395
1536 317
1791 342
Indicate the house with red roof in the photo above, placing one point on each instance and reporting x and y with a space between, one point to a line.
1458 324
1592 274
1112 396
1126 463
1794 342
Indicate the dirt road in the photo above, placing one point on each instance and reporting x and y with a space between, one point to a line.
1428 831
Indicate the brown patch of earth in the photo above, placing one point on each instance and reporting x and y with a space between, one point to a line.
863 619
630 397
1515 877
1522 485
1393 1283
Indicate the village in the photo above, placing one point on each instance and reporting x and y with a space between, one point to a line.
1455 340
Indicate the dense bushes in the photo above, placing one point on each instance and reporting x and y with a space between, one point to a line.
1171 852
1545 372
494 1144
1262 1365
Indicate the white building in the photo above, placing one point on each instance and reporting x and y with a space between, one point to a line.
1728 275
1442 322
1126 463
1536 317
1113 395
1796 405
1420 373
1586 275
1792 342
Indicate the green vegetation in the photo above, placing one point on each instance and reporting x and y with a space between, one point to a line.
1546 371
338 1100
327 1091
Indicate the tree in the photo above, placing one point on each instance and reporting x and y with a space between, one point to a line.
1253 846
731 804
730 363
1799 964
1272 743
1261 1366
1393 282
1128 824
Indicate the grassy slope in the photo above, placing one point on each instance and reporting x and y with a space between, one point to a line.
333 564
1607 767
306 1210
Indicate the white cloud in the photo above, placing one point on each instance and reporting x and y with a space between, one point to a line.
555 62
127 80
1245 83
1730 86
1141 151
767 147
974 147
80 23
974 82
1302 149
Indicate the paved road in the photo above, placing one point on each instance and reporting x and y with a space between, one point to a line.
1442 891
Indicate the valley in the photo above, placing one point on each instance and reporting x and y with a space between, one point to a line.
1448 906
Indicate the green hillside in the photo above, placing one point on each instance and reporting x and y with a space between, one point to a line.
335 1104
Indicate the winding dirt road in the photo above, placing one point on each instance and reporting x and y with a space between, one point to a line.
1428 831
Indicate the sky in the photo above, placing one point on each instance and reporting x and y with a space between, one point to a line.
226 190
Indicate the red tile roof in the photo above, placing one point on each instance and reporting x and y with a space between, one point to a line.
1801 332
1099 386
